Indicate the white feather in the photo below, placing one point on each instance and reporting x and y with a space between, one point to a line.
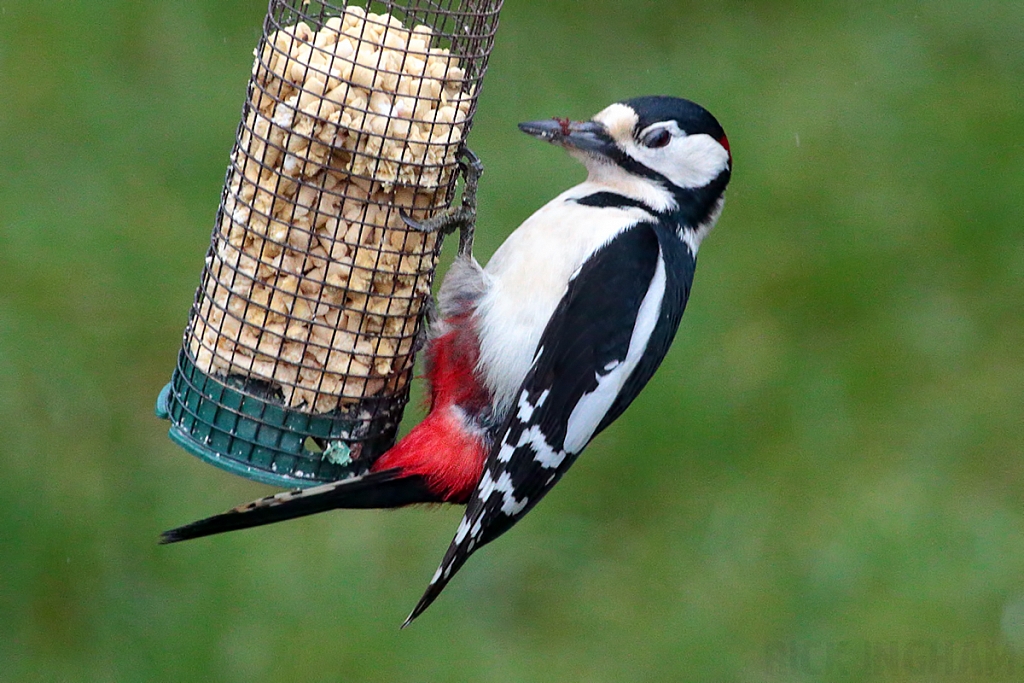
543 453
509 505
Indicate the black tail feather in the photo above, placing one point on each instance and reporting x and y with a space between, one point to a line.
453 560
385 489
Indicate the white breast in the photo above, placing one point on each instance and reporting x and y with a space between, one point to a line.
528 276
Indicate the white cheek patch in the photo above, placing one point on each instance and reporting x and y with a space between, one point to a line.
688 160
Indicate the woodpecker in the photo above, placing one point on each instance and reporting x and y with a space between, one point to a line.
532 356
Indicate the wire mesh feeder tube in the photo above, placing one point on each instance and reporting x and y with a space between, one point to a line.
296 362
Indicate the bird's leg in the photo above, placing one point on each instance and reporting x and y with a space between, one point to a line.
472 168
430 316
462 217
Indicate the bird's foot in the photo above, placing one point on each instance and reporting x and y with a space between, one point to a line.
430 316
461 217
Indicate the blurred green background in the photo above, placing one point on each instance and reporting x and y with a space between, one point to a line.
831 457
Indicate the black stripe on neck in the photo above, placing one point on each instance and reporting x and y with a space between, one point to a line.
611 200
694 206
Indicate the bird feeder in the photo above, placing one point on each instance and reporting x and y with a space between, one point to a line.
296 361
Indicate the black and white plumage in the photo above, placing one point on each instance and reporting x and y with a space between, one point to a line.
533 356
619 250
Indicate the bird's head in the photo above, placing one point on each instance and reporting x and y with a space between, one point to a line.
667 152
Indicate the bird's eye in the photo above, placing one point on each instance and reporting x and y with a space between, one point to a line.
657 138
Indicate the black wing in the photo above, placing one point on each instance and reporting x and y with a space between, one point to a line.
604 341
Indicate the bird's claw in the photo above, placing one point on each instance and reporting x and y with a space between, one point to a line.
429 313
462 217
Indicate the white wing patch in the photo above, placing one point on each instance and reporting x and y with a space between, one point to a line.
592 407
470 528
460 535
509 505
525 409
486 486
543 453
506 452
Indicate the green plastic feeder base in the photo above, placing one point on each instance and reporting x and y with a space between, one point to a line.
222 422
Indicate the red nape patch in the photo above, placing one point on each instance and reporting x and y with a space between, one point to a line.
564 124
724 142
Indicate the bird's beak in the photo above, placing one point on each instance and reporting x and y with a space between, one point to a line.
586 136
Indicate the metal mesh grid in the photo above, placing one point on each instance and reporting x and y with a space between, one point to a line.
313 288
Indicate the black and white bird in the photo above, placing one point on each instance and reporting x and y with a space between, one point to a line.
534 355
